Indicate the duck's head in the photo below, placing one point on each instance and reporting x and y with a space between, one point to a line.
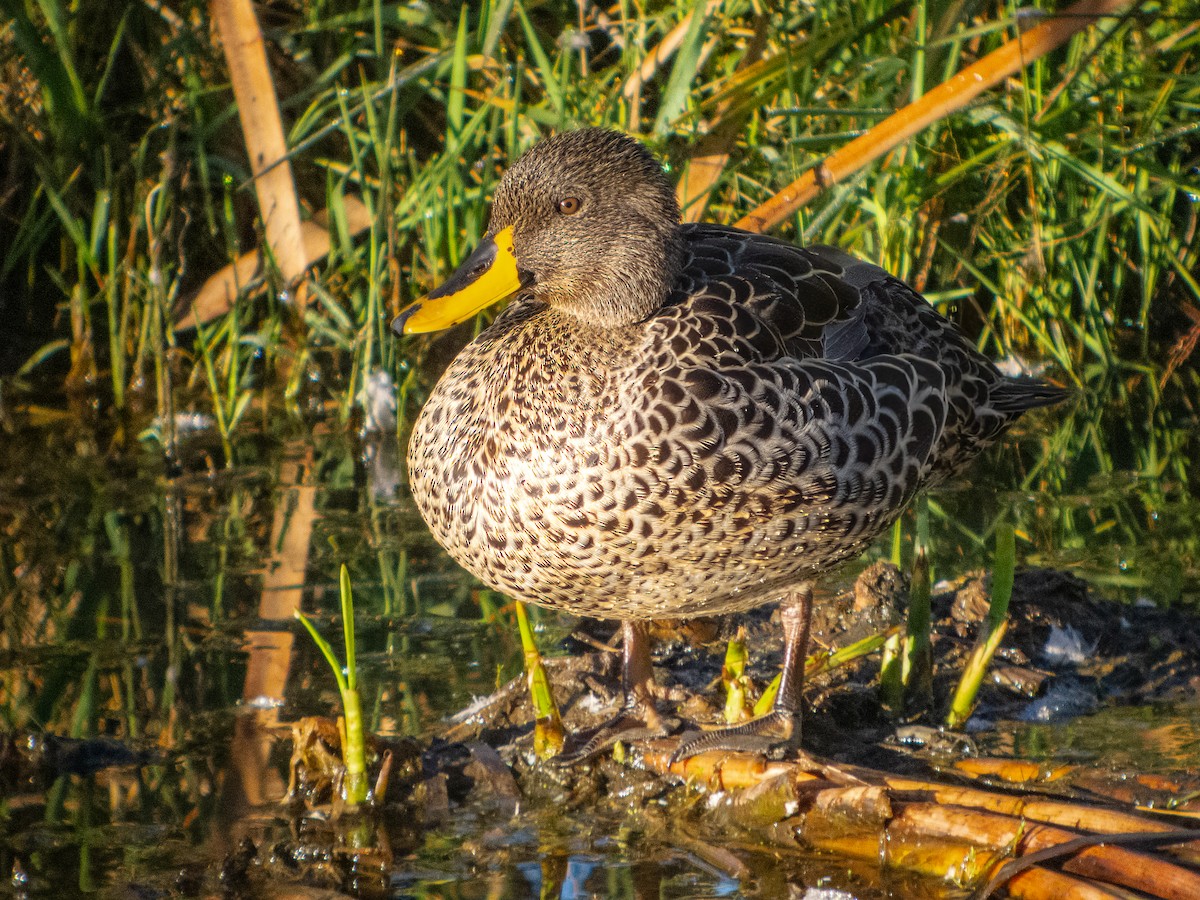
586 222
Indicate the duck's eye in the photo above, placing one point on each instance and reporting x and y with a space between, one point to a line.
568 206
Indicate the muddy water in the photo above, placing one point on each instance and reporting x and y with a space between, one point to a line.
149 664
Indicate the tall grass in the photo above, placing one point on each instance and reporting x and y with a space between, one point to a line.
1055 216
1055 219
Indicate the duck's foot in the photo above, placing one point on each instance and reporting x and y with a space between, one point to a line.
774 735
637 721
777 732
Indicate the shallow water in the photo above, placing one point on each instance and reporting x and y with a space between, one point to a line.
133 607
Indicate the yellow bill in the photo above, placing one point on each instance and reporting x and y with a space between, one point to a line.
487 276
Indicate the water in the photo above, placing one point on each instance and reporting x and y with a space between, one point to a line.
155 611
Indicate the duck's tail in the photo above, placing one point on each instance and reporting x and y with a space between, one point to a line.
1014 396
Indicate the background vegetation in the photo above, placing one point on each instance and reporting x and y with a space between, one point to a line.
1056 218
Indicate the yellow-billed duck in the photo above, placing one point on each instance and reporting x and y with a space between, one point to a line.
678 420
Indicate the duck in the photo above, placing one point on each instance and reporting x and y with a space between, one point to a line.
677 420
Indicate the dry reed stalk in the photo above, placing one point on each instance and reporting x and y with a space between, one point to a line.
958 832
948 97
1144 872
709 156
262 128
1142 788
719 770
655 58
1014 771
1140 871
1037 883
1077 816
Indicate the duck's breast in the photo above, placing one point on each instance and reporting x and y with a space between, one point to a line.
506 453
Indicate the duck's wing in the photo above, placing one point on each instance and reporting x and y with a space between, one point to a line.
775 451
799 294
800 458
824 303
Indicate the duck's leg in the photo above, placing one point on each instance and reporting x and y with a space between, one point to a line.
780 728
639 718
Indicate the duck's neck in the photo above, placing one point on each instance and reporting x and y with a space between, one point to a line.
628 282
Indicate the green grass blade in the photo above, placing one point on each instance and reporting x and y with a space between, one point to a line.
683 69
326 651
498 13
545 69
458 77
770 692
548 732
347 596
995 627
916 670
733 676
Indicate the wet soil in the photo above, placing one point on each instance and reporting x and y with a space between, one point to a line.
1067 654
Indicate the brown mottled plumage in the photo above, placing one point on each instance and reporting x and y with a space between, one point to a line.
675 420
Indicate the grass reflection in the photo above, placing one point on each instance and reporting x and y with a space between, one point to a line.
127 590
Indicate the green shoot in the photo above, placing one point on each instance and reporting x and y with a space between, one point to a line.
228 406
767 700
825 661
891 678
916 668
733 676
355 787
548 728
995 626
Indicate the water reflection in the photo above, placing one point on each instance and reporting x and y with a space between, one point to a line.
156 611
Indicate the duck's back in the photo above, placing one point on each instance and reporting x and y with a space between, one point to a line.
826 304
